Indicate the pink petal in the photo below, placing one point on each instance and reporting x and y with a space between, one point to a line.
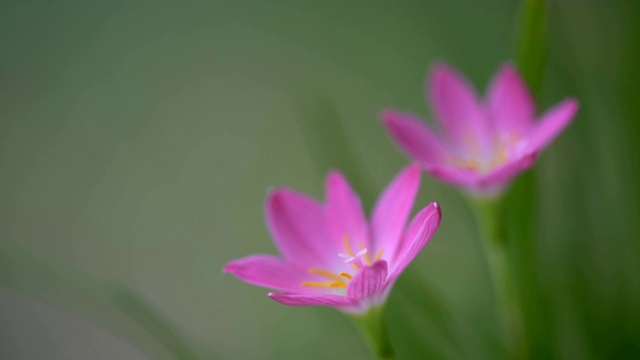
298 226
294 299
267 271
430 217
369 281
412 231
345 216
552 124
510 103
392 209
456 106
453 175
497 177
414 137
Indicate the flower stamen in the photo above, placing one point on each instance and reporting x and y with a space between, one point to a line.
367 257
338 281
356 260
346 244
325 273
321 284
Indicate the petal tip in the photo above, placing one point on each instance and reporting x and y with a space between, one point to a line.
509 68
227 269
442 74
413 172
334 181
440 68
437 76
231 267
390 118
278 195
573 104
273 194
414 169
334 175
437 212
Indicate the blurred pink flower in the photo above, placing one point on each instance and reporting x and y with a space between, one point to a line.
331 255
481 145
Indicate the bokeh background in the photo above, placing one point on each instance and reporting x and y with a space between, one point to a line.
138 141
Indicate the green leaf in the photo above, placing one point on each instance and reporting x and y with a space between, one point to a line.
114 306
328 143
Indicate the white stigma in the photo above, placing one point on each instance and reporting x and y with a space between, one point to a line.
349 259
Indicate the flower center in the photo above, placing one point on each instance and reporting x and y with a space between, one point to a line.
503 145
358 260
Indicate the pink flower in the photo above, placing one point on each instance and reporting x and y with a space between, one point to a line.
480 146
331 255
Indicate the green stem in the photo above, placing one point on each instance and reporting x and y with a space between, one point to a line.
371 326
496 250
532 43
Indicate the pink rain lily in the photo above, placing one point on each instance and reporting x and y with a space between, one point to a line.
479 145
331 255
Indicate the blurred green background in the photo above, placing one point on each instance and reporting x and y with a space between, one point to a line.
137 143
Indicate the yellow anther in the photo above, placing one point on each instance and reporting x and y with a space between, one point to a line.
468 164
379 254
348 276
500 158
320 284
325 273
501 149
338 284
347 246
